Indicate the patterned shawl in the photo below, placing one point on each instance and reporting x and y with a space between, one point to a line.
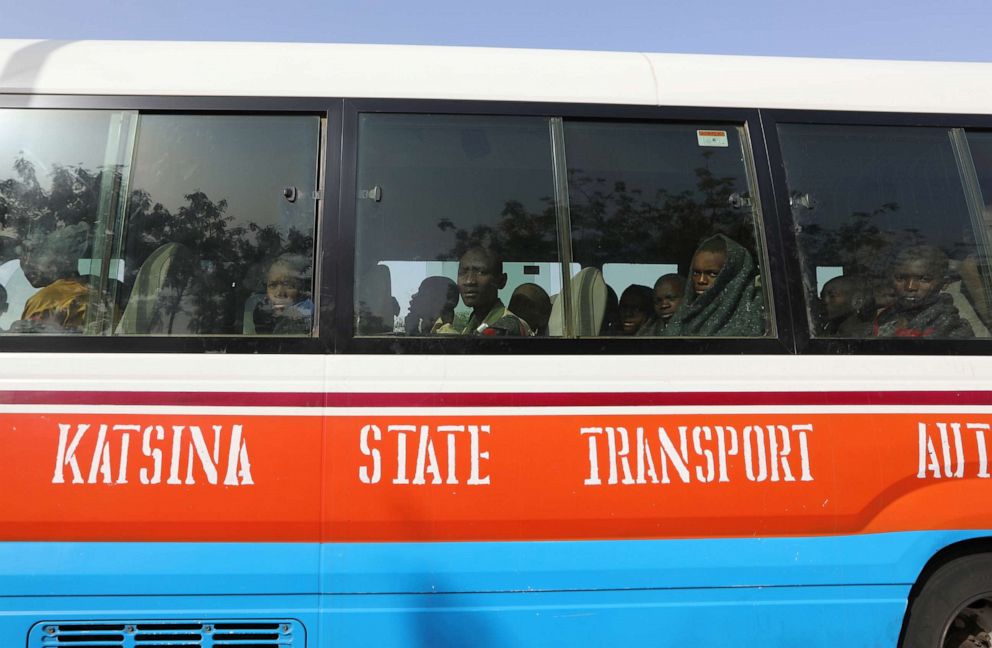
733 307
936 317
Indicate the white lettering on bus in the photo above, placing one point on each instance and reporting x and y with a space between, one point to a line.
698 453
155 454
372 475
429 466
111 449
945 451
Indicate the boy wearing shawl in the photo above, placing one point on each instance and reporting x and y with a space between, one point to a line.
722 298
920 309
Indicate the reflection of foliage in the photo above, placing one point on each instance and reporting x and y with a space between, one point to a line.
230 253
617 223
621 224
26 207
858 244
201 226
520 234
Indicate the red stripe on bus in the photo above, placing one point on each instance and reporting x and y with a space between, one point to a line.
493 399
215 399
397 477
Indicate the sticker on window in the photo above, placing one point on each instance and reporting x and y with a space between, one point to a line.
712 137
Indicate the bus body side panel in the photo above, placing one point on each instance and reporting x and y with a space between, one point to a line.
37 569
175 568
432 567
755 591
815 617
761 592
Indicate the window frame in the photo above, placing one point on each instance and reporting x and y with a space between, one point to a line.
328 110
345 342
805 343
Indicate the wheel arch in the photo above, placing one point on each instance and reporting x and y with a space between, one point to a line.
969 547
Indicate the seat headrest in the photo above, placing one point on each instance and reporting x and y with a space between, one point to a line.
160 302
588 291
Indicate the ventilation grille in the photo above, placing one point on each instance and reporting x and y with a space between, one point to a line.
168 634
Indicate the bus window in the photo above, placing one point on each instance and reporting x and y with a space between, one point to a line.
652 204
885 231
58 170
114 222
218 236
456 222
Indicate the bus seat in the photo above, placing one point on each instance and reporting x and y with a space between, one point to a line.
588 290
159 303
248 323
966 310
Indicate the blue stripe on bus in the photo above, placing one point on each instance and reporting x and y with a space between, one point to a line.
811 617
822 591
752 617
885 558
150 568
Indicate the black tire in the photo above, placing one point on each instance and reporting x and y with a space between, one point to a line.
947 596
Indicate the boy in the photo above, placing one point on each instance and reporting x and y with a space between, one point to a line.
480 278
919 273
287 308
635 308
669 291
848 307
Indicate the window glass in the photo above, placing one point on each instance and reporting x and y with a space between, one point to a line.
885 231
976 276
111 222
58 174
218 236
456 231
662 214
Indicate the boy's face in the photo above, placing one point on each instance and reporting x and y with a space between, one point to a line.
884 293
633 313
478 281
430 298
532 304
40 267
706 266
836 301
282 287
914 282
667 297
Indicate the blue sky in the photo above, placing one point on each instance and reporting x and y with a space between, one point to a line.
907 29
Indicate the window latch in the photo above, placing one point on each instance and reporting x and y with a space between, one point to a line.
291 194
739 201
375 193
803 200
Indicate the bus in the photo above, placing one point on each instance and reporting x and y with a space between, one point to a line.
321 345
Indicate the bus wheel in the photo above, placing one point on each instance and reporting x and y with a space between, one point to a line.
954 608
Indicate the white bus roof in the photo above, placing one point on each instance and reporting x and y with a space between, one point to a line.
399 71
